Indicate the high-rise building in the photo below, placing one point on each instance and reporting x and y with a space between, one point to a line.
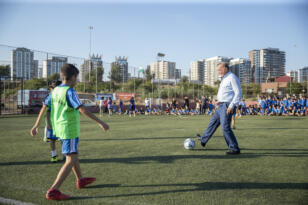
36 68
303 74
123 65
211 76
40 72
242 69
294 74
88 65
53 65
267 64
22 64
178 73
163 70
196 71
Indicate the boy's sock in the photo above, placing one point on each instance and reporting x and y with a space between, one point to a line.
53 153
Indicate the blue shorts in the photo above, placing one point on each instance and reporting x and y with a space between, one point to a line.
132 107
49 134
70 146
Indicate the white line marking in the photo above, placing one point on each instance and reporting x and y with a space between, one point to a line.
13 202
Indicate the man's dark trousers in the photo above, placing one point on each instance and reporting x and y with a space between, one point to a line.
221 117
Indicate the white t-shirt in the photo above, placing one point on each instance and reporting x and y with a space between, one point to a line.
101 103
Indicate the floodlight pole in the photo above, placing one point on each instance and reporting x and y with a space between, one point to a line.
134 82
160 58
90 45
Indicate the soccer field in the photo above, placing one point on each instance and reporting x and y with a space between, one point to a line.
142 161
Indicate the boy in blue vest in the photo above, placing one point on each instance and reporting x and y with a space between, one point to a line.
48 134
65 107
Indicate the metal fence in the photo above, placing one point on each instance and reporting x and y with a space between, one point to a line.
9 97
27 64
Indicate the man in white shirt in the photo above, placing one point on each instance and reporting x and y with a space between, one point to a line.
147 103
101 106
229 96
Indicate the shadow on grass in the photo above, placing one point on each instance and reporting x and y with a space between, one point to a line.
305 151
135 138
103 186
270 152
206 186
280 118
139 160
171 158
275 128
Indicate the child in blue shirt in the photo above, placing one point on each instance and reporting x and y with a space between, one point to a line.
48 134
211 107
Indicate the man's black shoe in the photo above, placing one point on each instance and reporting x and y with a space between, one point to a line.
199 138
232 152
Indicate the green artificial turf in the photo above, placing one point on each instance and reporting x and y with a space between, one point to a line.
142 161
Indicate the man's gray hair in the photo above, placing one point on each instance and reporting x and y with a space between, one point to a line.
225 65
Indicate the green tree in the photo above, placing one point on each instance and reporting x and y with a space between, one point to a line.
148 75
131 84
217 83
184 79
294 88
4 70
35 84
251 90
148 87
115 74
100 73
184 83
53 77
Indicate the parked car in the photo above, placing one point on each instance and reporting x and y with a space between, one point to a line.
90 105
31 98
30 101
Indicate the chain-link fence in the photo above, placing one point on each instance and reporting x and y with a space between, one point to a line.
9 95
23 70
25 76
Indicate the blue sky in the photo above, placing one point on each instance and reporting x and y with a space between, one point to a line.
139 29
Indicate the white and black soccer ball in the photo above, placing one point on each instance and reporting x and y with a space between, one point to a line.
189 143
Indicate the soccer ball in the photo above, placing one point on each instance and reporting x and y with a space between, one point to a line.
189 143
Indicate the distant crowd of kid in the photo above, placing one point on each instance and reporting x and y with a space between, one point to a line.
270 106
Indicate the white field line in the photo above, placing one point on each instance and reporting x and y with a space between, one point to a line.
120 202
13 202
105 200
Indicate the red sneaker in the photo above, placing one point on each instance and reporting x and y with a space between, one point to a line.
84 182
54 194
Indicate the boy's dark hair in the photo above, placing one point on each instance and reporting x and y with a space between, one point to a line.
68 71
55 84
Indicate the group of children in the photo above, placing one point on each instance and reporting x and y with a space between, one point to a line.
108 104
63 108
274 106
184 110
270 106
154 110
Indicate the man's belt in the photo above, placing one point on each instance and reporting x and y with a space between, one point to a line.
219 103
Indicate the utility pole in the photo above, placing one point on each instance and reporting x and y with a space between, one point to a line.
134 82
90 60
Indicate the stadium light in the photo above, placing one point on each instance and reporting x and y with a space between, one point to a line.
160 55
